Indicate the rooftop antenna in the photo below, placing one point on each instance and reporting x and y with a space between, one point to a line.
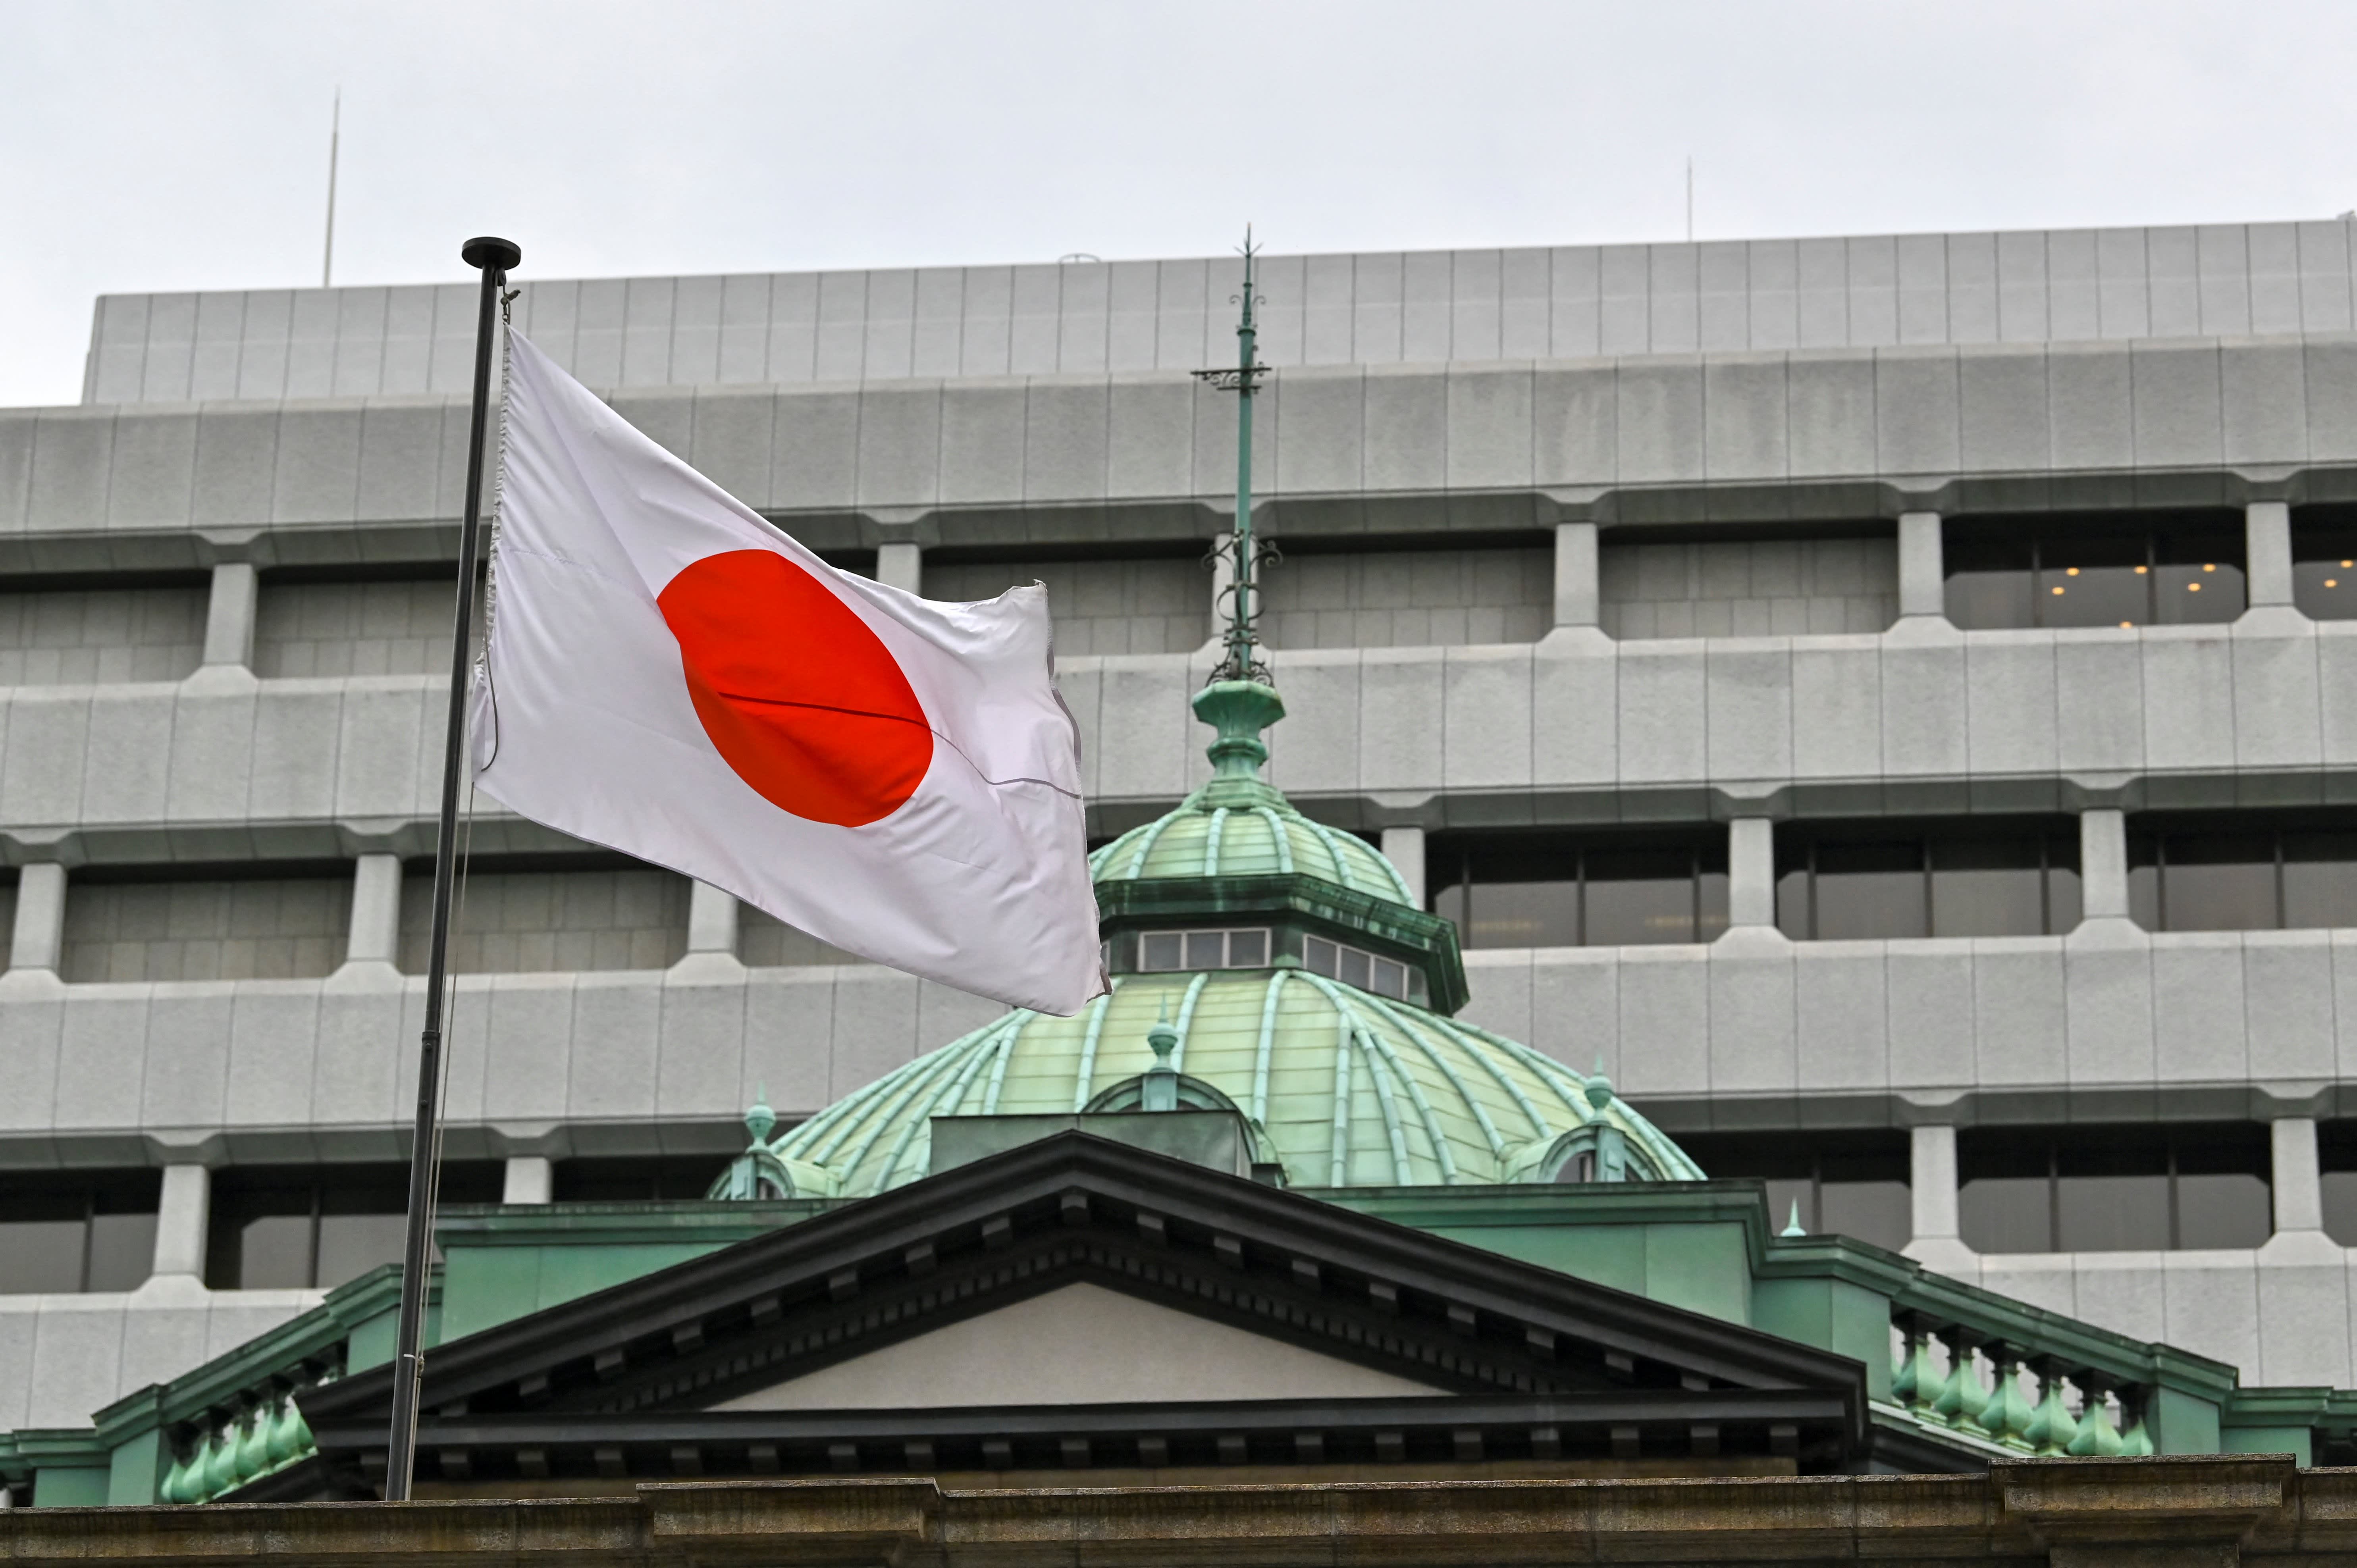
1243 555
335 146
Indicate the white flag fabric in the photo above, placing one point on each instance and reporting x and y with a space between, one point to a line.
670 675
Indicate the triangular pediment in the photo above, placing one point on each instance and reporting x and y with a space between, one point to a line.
1076 1301
1079 1344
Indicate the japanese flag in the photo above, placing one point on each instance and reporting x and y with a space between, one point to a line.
670 675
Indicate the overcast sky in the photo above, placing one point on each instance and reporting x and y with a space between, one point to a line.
149 146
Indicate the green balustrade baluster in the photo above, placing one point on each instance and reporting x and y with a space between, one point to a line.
179 1481
219 1470
253 1457
289 1439
1930 1381
1960 1402
2006 1417
2096 1437
2135 1438
1902 1371
2053 1427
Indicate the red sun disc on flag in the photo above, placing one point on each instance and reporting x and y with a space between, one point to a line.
797 693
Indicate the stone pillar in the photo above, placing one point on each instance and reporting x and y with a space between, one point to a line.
1931 1189
1922 580
900 563
530 1179
1578 600
2297 1184
1403 847
229 616
375 936
2104 862
40 917
2266 543
712 919
183 1216
1751 872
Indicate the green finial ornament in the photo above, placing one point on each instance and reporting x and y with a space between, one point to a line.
758 1118
1240 639
1160 1089
1793 1225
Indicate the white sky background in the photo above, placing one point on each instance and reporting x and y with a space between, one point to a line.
153 147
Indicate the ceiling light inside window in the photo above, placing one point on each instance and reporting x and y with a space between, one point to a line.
2058 587
2193 587
2142 570
2209 565
2070 571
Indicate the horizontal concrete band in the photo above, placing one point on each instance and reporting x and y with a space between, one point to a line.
1751 1031
2107 1510
1573 728
1369 309
627 1062
1914 418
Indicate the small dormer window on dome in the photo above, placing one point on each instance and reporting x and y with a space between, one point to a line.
1166 952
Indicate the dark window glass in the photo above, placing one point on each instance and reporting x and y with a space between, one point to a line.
1848 1183
2169 569
2336 1156
2324 562
1554 889
2243 872
304 1227
648 1180
62 1232
2109 1189
1871 880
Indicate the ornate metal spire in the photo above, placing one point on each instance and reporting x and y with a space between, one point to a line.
1244 555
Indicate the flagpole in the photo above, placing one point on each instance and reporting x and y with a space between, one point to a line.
493 257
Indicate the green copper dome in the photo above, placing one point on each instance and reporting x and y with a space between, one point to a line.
1304 992
1343 1088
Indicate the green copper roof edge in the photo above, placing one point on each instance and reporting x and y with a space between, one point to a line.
1211 836
1540 1126
1338 1149
1263 1050
1186 1021
1407 1026
953 1093
1009 1038
1386 1098
1280 842
1084 1075
931 1066
1442 1154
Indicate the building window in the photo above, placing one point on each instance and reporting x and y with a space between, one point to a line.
652 1178
1165 952
2241 873
2111 1189
1555 889
278 1227
86 1231
2336 1157
1850 1183
1837 881
2176 569
2324 562
1356 966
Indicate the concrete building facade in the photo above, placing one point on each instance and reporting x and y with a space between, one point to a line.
1887 700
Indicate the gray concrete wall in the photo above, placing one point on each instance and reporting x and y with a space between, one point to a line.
539 922
255 928
1748 588
1099 607
1372 308
1408 598
1847 434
